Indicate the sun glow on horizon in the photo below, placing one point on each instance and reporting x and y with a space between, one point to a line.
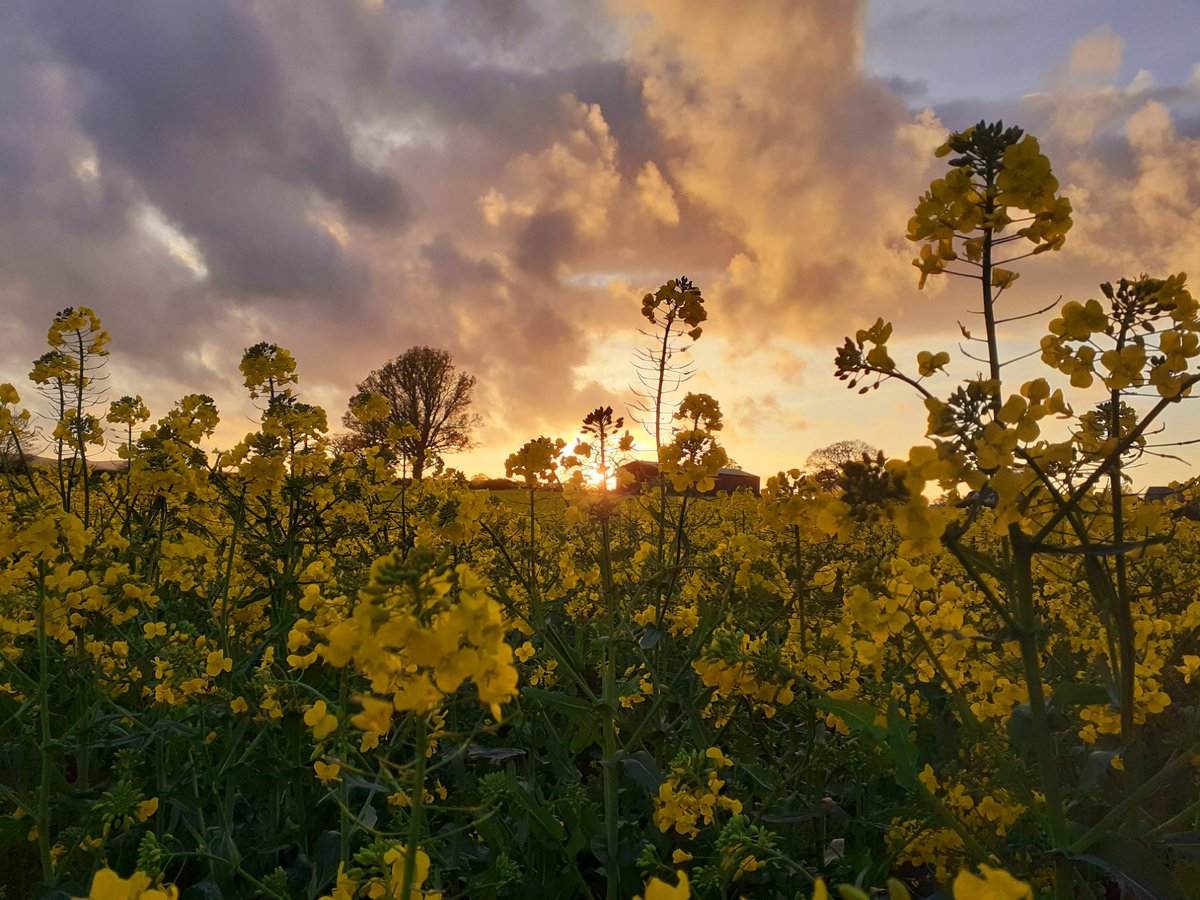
594 478
583 449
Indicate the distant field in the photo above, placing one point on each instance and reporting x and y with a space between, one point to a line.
546 503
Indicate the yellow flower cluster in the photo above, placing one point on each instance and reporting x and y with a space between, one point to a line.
1146 312
421 629
693 458
731 672
691 795
386 880
975 201
537 462
657 889
108 885
990 884
267 368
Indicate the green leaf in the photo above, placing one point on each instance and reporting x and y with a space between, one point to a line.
901 749
357 781
1020 727
325 860
826 808
539 816
1182 843
581 713
558 700
13 829
584 824
643 770
495 754
1070 693
1134 864
221 845
858 716
586 735
650 638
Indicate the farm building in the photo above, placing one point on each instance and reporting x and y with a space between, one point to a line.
728 480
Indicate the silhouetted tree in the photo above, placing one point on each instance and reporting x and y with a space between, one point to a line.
427 408
825 463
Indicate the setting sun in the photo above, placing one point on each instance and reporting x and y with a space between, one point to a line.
594 478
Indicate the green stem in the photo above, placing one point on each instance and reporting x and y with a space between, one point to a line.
609 699
1176 822
535 598
1027 636
1024 613
343 787
63 484
1123 613
81 355
989 301
418 809
43 799
263 888
800 588
1160 779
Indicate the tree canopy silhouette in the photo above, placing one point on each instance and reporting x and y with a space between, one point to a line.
825 463
416 405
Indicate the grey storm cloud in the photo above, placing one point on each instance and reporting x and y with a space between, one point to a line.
510 106
452 270
189 102
545 243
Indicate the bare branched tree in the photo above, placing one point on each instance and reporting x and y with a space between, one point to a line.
428 403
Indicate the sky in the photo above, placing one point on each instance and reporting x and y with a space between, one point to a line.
505 179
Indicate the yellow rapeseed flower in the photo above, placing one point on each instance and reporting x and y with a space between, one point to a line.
327 772
322 722
990 884
108 885
218 662
657 889
147 808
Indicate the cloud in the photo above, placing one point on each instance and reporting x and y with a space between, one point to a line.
576 175
324 155
544 243
806 162
191 105
1138 209
1096 55
451 269
1127 161
656 196
507 179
